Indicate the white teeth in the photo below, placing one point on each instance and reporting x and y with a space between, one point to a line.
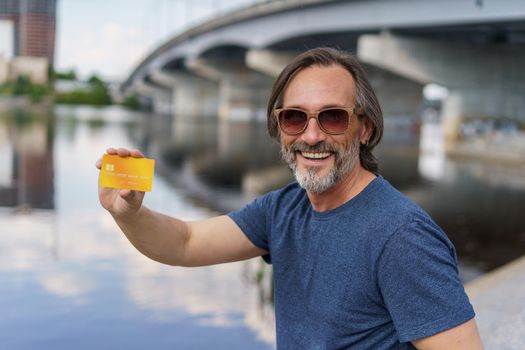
315 155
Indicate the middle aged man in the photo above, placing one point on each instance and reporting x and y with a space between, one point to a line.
356 264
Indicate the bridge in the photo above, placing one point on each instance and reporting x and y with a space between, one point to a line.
225 67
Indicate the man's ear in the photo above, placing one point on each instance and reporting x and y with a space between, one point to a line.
366 131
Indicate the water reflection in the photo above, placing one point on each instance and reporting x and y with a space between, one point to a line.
70 279
26 161
431 163
68 274
211 160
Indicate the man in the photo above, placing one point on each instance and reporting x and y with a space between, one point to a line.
356 264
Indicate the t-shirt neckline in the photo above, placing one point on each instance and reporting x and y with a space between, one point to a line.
323 215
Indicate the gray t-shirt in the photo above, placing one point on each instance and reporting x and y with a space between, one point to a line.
374 273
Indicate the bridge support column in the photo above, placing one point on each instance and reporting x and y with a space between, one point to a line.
243 93
242 100
160 96
398 96
195 97
485 81
268 62
192 96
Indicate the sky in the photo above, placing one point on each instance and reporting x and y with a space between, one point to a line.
110 37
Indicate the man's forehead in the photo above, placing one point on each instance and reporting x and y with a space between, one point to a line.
326 85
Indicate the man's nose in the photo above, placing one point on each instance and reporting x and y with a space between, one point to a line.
313 134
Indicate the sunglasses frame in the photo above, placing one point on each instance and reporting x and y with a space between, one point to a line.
315 114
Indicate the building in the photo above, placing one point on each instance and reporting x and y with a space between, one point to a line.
27 39
34 24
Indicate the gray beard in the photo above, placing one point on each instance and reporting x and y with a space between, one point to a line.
309 179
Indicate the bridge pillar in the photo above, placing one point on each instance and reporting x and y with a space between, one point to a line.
160 96
243 93
192 96
398 96
484 81
243 100
268 62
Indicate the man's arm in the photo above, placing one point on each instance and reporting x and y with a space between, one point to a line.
175 242
172 241
462 337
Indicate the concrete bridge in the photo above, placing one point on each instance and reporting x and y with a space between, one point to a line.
225 67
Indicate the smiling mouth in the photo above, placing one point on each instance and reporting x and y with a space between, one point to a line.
316 155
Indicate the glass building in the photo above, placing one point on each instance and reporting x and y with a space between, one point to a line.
33 23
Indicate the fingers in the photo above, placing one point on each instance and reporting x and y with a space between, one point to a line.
136 153
124 152
98 164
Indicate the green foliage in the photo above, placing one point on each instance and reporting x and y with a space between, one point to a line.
95 81
39 91
96 123
97 94
131 102
23 86
53 75
5 89
69 75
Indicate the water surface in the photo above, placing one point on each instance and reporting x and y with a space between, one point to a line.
70 279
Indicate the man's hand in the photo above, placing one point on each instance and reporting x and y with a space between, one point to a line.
170 240
120 202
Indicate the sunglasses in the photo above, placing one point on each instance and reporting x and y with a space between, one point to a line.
333 120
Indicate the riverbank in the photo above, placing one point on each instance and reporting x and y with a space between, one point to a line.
9 103
498 298
497 147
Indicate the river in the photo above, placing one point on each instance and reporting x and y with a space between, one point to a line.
70 279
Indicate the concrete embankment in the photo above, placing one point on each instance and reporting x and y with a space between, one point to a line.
498 147
499 301
258 182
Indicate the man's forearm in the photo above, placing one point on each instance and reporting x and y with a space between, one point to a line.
159 237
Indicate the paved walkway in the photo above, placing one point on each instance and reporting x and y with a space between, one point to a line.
499 301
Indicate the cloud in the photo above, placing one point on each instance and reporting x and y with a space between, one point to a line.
217 295
67 284
65 256
111 50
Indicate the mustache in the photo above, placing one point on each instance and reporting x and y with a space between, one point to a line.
321 146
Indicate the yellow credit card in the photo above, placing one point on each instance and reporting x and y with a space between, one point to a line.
127 173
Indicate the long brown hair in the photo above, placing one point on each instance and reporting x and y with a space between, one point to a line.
366 101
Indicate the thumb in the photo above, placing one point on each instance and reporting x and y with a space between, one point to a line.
127 194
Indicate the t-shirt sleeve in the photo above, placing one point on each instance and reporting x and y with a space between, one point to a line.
419 281
252 220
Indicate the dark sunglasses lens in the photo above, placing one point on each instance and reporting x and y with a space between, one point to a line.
292 121
334 120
